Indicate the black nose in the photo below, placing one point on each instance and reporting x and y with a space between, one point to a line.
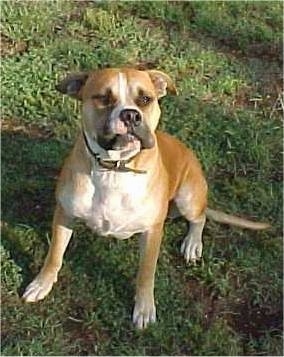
130 117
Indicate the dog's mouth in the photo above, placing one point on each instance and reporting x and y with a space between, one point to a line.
138 137
119 142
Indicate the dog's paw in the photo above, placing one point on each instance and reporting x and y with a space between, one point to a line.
144 312
191 249
39 287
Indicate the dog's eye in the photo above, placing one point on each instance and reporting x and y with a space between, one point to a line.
103 99
144 100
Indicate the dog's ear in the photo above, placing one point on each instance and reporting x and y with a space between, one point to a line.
72 84
162 83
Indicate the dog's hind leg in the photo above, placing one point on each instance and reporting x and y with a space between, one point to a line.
192 245
61 234
191 202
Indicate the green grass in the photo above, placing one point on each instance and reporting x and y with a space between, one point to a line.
225 58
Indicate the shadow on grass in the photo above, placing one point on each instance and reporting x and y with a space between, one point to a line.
30 166
29 169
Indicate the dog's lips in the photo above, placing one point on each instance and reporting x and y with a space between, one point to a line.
144 135
126 142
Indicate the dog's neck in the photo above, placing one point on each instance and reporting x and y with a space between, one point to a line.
105 159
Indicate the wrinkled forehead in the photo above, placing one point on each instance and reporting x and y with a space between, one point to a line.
120 82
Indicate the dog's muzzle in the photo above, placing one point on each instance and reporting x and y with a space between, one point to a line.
125 129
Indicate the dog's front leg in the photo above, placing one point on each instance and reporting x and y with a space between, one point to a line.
144 309
61 234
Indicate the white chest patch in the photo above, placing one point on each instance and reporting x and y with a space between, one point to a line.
113 203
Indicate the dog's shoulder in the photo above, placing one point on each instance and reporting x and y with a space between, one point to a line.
76 168
179 161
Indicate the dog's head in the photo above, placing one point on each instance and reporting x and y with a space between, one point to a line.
120 106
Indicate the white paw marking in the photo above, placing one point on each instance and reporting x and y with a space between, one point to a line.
143 314
191 250
39 288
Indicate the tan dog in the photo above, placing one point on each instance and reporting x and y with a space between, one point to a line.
121 176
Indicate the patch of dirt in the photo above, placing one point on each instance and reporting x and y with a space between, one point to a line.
33 131
213 305
10 47
255 321
247 320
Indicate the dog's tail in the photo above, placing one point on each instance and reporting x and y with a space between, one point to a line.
222 217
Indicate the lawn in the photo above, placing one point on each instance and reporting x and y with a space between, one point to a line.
226 60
